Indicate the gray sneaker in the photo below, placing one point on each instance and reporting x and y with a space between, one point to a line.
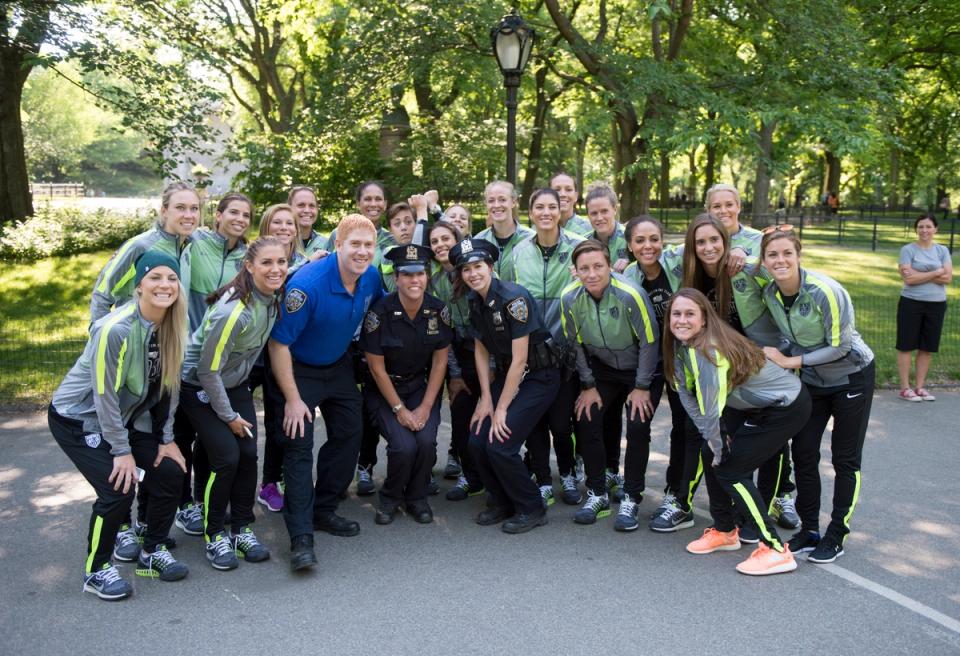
365 486
668 500
785 511
596 507
126 547
627 517
220 553
614 482
107 584
453 469
161 564
246 543
672 519
189 519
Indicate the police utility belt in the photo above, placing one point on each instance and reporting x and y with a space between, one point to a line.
419 375
539 356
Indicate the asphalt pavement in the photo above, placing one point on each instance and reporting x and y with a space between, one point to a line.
453 587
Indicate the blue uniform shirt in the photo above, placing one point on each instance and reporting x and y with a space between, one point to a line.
320 317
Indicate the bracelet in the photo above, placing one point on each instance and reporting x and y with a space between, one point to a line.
395 409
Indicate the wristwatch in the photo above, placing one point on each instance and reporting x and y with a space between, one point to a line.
397 408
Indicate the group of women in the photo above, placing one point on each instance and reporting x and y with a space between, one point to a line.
554 331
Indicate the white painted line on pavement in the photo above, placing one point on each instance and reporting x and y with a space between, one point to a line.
910 604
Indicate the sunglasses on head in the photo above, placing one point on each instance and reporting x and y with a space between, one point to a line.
783 227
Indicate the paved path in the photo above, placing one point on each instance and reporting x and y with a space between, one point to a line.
453 587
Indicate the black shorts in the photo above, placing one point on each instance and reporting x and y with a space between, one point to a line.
919 324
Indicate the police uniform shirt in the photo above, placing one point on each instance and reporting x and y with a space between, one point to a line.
508 313
406 345
319 317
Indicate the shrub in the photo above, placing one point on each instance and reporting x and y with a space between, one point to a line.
67 230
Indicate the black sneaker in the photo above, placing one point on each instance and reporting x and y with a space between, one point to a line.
627 517
160 564
596 507
453 469
492 516
245 543
673 518
301 553
107 584
365 486
803 541
827 551
386 513
462 490
570 493
522 523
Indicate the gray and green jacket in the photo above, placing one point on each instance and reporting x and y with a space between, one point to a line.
316 242
578 226
224 348
704 390
441 286
619 329
212 264
616 245
747 288
503 267
546 278
108 383
671 261
384 241
820 328
115 283
749 240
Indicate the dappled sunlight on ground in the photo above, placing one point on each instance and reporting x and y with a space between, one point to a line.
53 576
55 490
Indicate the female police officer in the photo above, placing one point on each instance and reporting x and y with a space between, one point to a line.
506 324
405 339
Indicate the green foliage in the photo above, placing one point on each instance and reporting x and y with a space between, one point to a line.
65 231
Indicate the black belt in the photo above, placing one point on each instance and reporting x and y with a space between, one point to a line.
419 375
539 356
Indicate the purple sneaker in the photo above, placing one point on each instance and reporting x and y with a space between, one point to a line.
271 496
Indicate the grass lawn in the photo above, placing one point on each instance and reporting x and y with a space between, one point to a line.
44 314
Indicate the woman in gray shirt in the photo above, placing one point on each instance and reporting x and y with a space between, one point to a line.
926 270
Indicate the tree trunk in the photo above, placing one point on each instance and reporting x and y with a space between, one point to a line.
581 157
536 141
692 183
894 197
832 178
15 201
761 188
664 181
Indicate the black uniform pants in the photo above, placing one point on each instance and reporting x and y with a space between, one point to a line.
410 455
334 390
461 409
194 455
371 428
849 405
678 422
773 477
759 435
613 394
501 469
233 460
272 466
112 507
557 421
692 464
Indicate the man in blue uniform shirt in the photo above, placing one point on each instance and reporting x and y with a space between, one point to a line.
309 350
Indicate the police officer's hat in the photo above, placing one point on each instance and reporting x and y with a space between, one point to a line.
409 258
473 250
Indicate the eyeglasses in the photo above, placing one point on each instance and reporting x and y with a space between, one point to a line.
783 227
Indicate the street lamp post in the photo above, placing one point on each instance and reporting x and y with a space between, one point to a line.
512 41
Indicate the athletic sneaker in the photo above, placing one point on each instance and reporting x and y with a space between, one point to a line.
714 540
785 511
433 488
580 471
827 551
245 543
453 469
271 497
546 493
126 547
627 517
803 541
190 519
597 506
764 561
925 395
748 534
571 494
668 500
462 490
107 584
221 554
365 486
614 483
160 564
910 395
672 519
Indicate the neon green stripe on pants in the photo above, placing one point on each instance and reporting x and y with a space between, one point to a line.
206 503
757 517
853 504
94 542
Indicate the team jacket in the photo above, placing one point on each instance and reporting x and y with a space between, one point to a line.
578 226
115 283
108 383
747 287
224 348
671 261
545 278
316 242
503 267
749 240
212 265
616 246
703 388
441 286
820 328
620 330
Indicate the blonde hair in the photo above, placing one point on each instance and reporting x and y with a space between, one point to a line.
296 246
352 222
172 338
720 187
513 194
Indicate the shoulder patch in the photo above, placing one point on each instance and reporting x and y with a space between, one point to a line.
295 300
740 284
371 322
517 308
445 316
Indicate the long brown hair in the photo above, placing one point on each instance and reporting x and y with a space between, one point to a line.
745 357
242 283
224 203
459 287
695 276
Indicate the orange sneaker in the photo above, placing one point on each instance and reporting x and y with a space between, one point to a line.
714 540
765 560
